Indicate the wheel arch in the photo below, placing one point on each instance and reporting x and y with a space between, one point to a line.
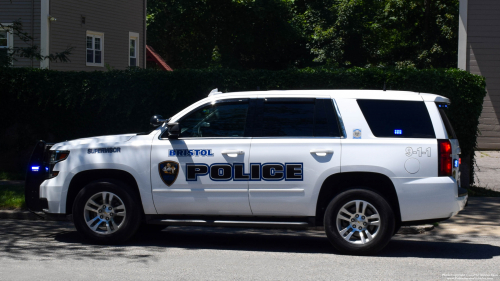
80 180
337 183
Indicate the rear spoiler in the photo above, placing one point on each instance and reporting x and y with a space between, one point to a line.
38 167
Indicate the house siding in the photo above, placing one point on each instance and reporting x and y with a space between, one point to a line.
113 18
483 40
23 10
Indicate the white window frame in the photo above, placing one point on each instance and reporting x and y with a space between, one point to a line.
134 36
10 39
94 35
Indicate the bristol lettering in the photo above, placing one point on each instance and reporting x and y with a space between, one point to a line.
190 152
236 171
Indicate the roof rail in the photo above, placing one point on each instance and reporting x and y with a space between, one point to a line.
214 92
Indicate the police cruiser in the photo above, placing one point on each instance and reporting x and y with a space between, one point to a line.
361 163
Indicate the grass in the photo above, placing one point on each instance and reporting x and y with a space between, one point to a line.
11 176
475 191
12 197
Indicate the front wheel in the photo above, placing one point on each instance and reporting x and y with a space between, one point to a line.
106 213
359 222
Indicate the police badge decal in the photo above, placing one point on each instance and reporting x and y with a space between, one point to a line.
168 171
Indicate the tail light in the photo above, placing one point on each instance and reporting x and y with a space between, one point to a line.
445 162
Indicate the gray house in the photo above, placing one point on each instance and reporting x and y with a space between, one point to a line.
479 53
103 33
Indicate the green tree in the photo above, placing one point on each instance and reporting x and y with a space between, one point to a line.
278 34
242 34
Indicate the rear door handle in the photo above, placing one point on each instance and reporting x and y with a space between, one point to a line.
233 153
321 152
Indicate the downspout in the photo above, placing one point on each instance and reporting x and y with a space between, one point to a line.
144 33
44 33
32 27
462 35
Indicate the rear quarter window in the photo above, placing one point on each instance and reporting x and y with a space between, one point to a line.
447 124
397 119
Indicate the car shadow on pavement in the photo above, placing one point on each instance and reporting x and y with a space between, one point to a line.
438 247
45 240
299 241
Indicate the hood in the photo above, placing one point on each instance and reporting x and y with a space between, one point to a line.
93 142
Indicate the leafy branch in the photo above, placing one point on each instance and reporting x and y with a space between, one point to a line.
31 52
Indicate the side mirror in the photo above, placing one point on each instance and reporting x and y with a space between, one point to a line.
157 120
174 130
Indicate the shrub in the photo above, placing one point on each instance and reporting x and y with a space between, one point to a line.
56 106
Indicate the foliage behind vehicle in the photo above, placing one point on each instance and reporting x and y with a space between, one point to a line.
57 106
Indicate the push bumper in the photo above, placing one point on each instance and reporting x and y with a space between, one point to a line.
35 175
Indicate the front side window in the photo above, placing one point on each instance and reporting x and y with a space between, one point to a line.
397 119
95 49
218 120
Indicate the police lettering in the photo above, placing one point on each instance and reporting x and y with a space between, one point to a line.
236 171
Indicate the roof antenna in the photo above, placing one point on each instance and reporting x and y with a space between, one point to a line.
384 86
214 92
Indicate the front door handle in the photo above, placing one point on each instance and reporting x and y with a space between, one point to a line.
233 153
321 152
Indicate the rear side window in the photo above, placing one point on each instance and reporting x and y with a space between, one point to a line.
300 117
397 119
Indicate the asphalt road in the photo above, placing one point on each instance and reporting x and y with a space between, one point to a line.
43 250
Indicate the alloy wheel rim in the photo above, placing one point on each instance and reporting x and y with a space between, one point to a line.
104 213
358 222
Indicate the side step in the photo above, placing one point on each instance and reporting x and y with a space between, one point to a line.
276 223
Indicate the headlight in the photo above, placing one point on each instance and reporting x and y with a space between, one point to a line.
56 156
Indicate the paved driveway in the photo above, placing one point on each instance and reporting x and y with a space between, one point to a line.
487 169
42 250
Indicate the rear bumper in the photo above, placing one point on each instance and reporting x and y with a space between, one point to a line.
423 199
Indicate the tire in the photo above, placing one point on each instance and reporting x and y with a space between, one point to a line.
376 232
118 223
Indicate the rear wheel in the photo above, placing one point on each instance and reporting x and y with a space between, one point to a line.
359 221
105 212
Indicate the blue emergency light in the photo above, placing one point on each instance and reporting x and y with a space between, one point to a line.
35 168
398 132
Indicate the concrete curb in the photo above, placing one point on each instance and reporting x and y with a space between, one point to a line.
18 215
415 229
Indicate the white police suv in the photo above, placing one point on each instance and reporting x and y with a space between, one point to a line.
360 163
